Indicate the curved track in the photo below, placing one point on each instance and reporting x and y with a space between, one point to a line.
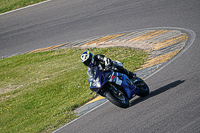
172 106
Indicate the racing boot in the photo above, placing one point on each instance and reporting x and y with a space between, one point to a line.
131 76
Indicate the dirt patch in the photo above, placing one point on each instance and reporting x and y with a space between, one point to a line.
9 88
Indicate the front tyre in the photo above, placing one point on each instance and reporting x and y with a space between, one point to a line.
118 99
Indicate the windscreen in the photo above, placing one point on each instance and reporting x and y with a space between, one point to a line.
91 73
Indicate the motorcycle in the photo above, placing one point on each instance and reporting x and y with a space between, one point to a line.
115 86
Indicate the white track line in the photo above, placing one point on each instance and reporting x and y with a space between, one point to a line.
25 7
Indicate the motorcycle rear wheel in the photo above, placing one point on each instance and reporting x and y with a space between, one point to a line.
119 99
143 89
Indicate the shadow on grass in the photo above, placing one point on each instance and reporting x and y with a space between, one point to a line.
157 92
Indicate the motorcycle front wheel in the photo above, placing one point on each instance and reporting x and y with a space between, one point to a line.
118 99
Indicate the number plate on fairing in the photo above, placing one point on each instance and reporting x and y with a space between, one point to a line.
118 81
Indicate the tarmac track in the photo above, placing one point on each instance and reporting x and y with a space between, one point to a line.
172 106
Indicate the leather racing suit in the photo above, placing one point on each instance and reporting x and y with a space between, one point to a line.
105 64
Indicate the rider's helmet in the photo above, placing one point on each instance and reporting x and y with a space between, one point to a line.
87 58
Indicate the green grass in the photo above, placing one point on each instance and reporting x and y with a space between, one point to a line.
39 91
8 5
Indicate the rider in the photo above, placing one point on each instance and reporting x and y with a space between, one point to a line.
104 63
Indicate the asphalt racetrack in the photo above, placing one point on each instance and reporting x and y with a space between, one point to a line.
173 104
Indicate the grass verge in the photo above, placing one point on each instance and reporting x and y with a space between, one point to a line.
8 5
39 91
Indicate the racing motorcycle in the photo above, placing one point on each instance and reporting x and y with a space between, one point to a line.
115 86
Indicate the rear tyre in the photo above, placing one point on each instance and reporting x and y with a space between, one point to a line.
143 89
118 99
